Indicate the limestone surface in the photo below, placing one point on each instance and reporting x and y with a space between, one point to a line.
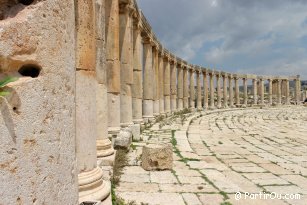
157 157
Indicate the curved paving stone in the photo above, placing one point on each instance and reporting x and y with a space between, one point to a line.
223 152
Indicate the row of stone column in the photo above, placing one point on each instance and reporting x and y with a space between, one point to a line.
125 77
145 80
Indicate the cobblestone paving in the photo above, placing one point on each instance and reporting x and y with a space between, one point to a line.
222 153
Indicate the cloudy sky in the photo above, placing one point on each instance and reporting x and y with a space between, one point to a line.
246 36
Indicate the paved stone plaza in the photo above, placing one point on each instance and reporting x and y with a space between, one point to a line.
221 153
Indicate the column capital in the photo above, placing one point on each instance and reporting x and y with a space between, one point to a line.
217 73
126 7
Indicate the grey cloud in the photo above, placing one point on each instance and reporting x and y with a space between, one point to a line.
250 29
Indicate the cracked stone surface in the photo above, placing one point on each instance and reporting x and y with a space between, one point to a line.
219 153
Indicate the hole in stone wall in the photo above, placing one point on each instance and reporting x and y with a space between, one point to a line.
30 70
26 2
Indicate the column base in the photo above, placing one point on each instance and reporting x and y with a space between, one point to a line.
147 119
113 130
104 148
138 121
126 124
92 187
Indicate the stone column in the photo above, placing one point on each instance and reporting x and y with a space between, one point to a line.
211 106
237 91
287 92
104 146
255 91
218 90
192 89
278 92
205 82
225 99
113 65
137 86
180 87
230 77
185 88
173 85
91 184
161 83
270 91
167 86
297 90
245 91
261 84
156 106
126 63
199 105
148 81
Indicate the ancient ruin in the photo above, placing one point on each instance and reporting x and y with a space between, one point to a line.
89 69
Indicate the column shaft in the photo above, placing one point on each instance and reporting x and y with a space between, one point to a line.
230 91
180 88
161 84
225 99
237 91
261 84
205 82
212 106
91 184
126 64
270 92
192 90
287 92
137 86
245 91
167 86
113 65
148 83
156 82
255 91
103 144
173 87
199 105
278 92
185 89
218 90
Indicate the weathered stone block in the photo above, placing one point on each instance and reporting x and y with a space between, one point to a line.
157 157
136 131
124 139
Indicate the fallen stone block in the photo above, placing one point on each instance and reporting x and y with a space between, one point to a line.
157 157
123 139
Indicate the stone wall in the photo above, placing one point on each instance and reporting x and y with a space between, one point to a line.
82 79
